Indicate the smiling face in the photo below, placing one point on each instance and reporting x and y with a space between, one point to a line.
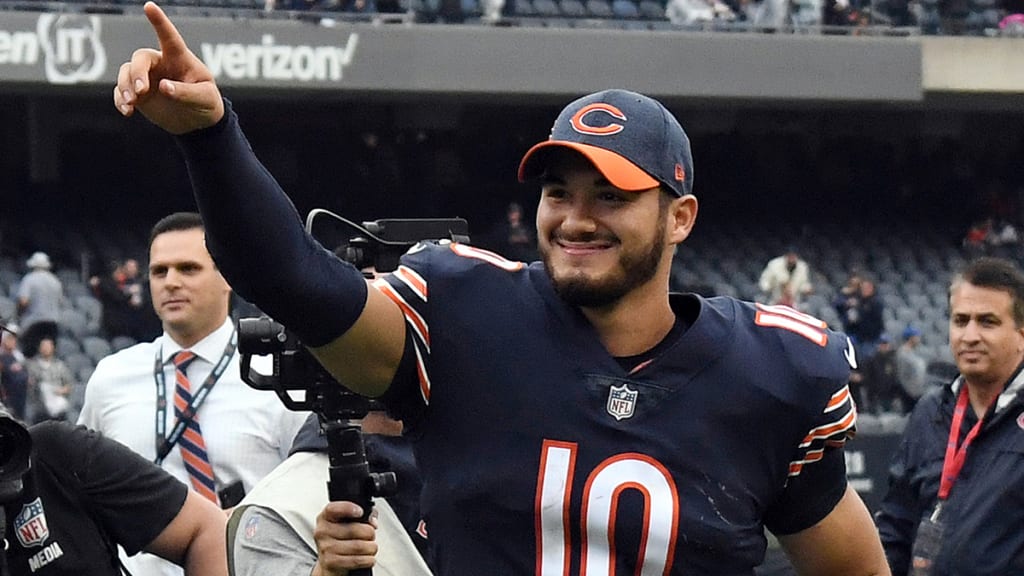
189 294
984 338
599 243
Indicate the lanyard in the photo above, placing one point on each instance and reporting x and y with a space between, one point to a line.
955 457
164 444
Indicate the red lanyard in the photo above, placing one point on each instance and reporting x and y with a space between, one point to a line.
955 457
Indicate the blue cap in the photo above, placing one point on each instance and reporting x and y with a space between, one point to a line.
632 139
910 332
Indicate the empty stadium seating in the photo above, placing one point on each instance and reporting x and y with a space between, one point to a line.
912 265
627 14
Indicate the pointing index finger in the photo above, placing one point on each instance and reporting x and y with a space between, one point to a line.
171 42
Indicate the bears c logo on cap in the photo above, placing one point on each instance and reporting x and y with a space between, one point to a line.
579 123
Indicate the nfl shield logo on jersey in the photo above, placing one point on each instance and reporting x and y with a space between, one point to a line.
30 524
621 401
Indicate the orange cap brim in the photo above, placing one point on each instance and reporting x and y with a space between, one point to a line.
622 173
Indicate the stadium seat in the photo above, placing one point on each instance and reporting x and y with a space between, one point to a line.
77 362
523 8
67 346
76 288
82 375
651 9
96 348
572 8
599 8
991 18
625 9
68 275
471 8
118 343
73 323
92 308
546 8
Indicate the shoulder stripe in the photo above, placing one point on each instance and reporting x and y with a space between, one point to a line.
413 280
813 456
777 320
412 317
828 431
486 256
421 372
794 314
421 333
830 435
838 399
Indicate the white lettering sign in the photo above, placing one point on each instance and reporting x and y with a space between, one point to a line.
270 61
70 44
18 48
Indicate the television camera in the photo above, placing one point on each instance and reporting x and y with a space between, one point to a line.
374 246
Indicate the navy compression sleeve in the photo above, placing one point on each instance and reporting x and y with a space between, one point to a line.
257 239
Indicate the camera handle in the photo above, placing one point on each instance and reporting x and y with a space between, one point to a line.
350 477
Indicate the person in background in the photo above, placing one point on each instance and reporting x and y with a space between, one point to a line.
513 238
126 309
862 313
911 368
40 296
50 383
180 399
953 505
13 374
786 280
879 384
301 532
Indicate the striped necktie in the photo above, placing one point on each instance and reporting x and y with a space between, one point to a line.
193 448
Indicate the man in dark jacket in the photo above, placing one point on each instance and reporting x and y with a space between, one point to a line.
954 505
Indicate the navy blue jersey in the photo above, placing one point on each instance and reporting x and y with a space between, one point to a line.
542 455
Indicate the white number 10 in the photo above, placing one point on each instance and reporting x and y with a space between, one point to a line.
604 485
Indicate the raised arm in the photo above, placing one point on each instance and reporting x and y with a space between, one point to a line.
253 230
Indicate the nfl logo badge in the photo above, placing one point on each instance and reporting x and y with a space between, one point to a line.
621 402
30 524
251 527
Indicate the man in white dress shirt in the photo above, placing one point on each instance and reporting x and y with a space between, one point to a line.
131 397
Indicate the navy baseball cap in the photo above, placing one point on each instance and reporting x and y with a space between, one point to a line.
632 139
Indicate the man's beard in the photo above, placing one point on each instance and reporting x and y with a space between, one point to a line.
634 270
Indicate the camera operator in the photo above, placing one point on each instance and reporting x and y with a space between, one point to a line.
273 530
70 496
285 503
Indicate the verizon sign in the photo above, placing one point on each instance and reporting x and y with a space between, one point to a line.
68 45
70 48
265 55
269 60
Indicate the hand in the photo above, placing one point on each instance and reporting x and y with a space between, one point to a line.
171 87
342 541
